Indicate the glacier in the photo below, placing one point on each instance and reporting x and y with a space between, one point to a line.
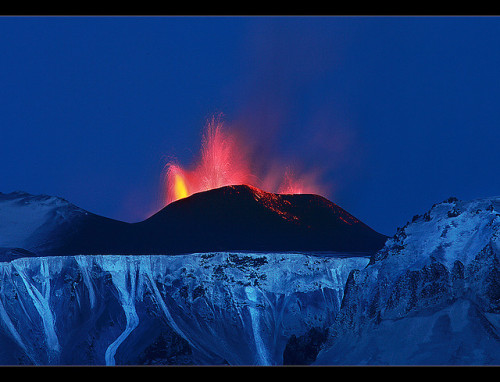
205 308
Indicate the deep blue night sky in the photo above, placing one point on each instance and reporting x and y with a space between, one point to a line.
400 112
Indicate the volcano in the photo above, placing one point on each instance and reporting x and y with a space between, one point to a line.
247 218
230 218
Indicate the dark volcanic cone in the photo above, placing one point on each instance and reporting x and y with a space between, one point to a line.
246 218
232 218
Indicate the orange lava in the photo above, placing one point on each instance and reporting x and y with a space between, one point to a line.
225 160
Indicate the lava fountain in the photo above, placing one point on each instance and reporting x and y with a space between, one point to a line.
225 160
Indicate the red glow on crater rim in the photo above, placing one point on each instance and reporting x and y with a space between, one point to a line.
225 160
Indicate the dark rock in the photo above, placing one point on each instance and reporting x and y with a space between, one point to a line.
304 349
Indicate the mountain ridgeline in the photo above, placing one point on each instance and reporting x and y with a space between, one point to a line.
429 296
241 218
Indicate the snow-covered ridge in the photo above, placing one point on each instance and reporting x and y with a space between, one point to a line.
200 308
26 219
451 230
430 296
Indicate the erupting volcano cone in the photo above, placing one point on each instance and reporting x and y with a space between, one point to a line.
229 218
246 218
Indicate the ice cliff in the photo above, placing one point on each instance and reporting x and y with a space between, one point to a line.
210 308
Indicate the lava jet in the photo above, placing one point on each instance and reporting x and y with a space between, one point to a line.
216 204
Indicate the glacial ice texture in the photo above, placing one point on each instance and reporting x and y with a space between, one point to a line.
211 308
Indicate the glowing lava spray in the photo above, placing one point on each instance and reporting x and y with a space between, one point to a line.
224 161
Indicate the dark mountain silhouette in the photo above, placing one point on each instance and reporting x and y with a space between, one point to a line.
238 218
246 218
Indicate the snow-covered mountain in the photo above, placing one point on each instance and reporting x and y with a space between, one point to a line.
50 225
33 221
430 296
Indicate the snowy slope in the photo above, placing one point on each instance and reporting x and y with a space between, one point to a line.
31 221
449 231
210 308
430 296
49 225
